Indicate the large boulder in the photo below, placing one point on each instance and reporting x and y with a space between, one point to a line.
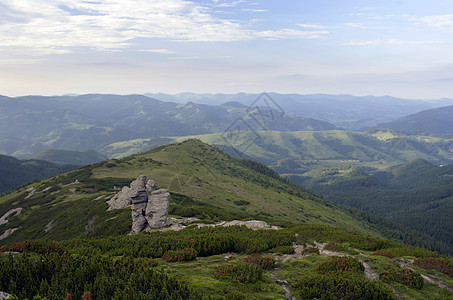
149 205
157 209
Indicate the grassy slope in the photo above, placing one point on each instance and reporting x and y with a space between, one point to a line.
319 149
201 178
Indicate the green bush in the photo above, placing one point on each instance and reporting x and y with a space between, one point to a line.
404 276
309 250
280 250
443 265
264 262
341 286
341 264
241 272
186 254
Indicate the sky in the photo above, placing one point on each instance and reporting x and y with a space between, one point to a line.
402 48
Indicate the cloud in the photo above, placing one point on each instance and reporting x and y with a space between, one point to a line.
161 51
391 43
254 10
57 26
444 22
316 26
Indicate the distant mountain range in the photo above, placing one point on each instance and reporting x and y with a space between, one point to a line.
434 121
345 111
33 123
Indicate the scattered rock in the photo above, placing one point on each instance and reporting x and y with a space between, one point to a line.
51 225
46 189
72 183
7 233
72 191
54 193
31 191
4 295
12 213
90 224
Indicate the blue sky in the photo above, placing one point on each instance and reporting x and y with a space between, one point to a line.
387 47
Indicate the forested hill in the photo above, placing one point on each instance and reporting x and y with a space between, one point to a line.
15 172
417 194
433 121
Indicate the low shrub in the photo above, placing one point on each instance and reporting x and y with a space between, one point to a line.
406 251
241 272
404 276
310 250
443 265
264 262
186 254
340 248
341 286
280 250
341 264
40 247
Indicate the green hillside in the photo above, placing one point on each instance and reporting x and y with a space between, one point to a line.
61 156
212 184
416 194
320 250
309 150
15 172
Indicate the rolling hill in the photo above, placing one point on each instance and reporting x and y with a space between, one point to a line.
298 152
345 111
432 121
31 124
80 158
201 178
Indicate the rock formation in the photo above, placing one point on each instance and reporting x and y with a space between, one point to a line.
149 205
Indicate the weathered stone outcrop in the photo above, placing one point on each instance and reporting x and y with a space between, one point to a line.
12 213
157 209
149 205
7 233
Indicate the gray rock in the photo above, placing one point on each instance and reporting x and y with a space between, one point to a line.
139 202
121 200
157 208
4 295
151 186
148 211
7 233
11 213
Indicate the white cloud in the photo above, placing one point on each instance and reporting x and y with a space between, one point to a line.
391 43
254 10
316 26
161 51
444 22
55 26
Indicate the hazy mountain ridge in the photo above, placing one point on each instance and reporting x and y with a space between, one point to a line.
93 121
433 121
346 111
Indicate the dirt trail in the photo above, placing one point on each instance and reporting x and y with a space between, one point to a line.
283 283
